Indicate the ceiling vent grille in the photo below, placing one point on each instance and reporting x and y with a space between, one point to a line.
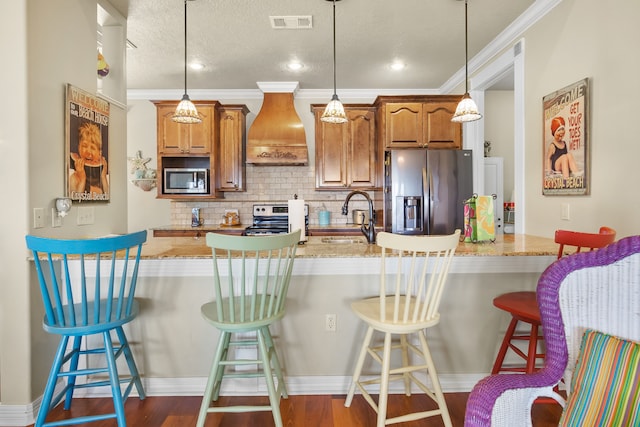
291 22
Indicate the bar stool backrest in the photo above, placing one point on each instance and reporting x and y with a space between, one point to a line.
413 274
251 275
580 240
93 294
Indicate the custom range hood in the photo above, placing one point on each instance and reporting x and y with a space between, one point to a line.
277 136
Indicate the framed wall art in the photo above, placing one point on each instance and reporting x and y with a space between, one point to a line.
566 141
86 146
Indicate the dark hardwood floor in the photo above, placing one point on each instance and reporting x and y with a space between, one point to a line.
305 411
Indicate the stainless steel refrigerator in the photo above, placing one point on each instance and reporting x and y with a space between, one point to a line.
425 190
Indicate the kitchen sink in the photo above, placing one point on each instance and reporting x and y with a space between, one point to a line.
343 240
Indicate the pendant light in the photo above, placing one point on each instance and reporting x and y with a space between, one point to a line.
186 112
334 112
467 110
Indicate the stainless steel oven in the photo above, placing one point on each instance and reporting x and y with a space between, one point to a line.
273 219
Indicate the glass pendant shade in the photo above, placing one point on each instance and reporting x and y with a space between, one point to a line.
466 111
186 112
334 113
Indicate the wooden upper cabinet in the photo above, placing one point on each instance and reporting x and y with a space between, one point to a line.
403 125
362 153
439 130
217 144
233 139
185 139
418 121
346 154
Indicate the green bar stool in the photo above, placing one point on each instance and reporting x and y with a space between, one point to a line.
251 276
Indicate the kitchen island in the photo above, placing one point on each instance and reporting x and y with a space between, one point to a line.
174 345
180 243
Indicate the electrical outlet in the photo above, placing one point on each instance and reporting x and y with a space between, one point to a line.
38 217
56 220
330 323
86 216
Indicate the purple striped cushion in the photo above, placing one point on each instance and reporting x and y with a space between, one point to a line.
605 384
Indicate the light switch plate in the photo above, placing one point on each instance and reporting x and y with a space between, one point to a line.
566 212
38 217
86 216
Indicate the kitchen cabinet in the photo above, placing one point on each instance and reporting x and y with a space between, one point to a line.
216 144
346 154
438 129
233 141
418 121
185 139
403 125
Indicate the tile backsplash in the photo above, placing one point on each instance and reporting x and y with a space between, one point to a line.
274 184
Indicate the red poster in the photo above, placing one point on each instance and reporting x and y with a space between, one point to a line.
565 141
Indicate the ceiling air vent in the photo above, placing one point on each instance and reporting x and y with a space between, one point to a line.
291 22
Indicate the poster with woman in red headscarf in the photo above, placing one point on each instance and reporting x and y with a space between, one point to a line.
565 136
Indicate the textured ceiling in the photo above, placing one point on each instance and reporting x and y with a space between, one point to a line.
235 41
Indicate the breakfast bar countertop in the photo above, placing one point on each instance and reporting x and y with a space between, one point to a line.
317 247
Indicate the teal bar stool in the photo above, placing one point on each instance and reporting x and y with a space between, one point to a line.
251 276
88 288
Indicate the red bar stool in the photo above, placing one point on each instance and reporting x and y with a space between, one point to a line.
523 306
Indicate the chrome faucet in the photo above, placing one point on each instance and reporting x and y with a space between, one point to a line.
369 230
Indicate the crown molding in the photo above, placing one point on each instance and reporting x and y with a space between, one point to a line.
504 40
346 95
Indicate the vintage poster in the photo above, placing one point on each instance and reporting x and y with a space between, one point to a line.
87 146
565 141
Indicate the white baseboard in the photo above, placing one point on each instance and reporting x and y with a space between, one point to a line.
24 415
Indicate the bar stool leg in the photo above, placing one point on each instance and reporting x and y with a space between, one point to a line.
533 349
359 365
505 346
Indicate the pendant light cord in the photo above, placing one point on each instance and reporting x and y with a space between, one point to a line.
466 50
185 47
334 49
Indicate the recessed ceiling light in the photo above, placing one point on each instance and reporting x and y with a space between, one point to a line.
397 65
196 66
294 66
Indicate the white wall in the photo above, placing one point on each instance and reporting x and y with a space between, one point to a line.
144 211
498 129
45 46
578 39
15 345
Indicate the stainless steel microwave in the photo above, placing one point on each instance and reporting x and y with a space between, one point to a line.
186 180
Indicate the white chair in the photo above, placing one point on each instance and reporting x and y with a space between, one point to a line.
597 291
412 278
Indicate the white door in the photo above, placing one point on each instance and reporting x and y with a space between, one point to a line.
494 185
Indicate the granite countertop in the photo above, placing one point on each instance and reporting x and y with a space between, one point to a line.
505 245
187 230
